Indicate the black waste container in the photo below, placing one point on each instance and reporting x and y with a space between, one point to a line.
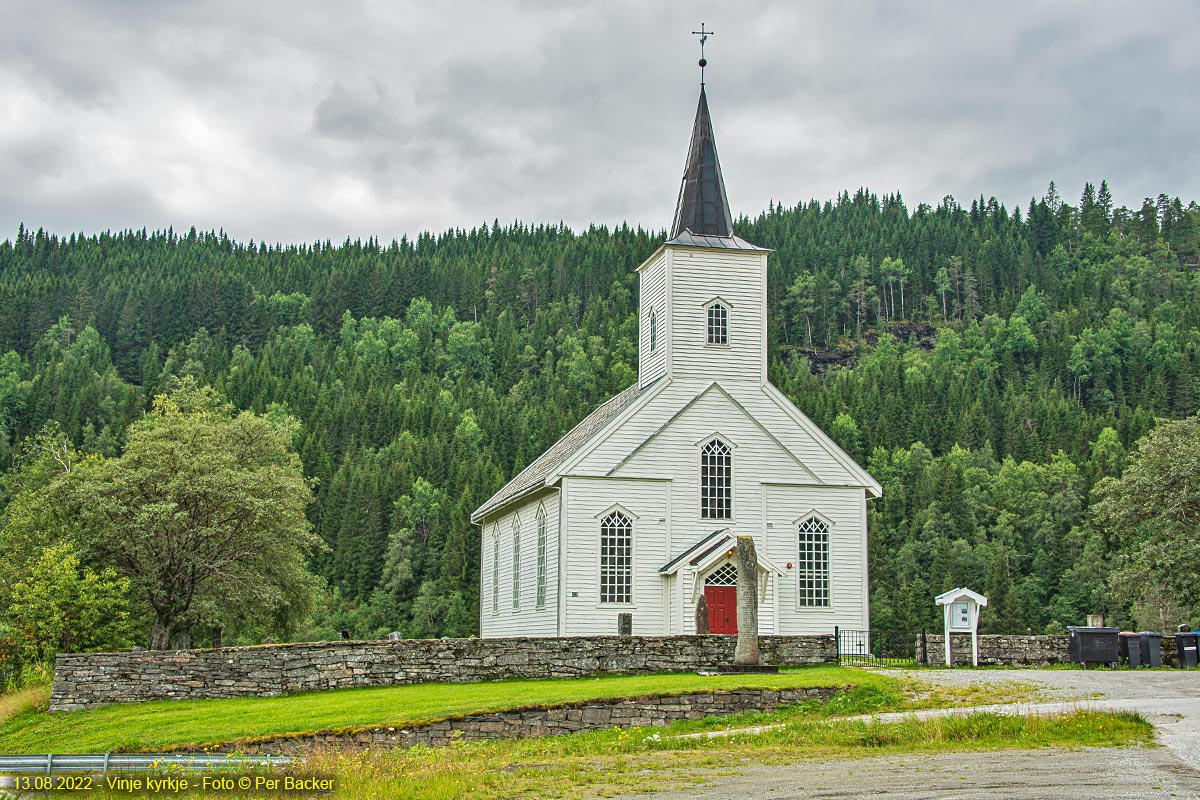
1129 648
1185 649
1151 649
1093 645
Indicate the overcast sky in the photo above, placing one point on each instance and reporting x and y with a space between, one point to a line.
297 121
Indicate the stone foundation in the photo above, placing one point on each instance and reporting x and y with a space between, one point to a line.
651 711
84 680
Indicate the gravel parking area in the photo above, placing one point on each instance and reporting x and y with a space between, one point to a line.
1168 699
1072 684
1132 773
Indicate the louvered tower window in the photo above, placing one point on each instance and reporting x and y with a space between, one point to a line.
653 330
813 563
718 324
616 558
716 480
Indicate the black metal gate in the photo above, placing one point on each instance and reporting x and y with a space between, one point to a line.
876 648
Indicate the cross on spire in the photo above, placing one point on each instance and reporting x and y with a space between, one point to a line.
703 34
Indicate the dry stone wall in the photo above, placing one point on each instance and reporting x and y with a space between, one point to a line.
996 650
84 680
647 711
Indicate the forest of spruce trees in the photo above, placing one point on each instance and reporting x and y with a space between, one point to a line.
988 366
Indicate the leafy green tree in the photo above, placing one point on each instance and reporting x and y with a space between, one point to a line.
1153 510
60 605
204 513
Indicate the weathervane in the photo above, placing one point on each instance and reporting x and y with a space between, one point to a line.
703 34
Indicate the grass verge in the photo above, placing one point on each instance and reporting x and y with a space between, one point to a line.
24 702
608 763
193 724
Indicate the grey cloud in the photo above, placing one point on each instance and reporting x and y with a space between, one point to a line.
299 121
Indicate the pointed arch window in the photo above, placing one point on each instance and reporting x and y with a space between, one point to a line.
516 563
653 330
616 558
718 323
541 557
813 562
495 569
716 480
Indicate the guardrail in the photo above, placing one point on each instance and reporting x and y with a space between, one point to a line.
50 763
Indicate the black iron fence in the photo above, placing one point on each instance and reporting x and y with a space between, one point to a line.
876 648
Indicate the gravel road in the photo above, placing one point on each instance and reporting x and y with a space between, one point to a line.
1169 700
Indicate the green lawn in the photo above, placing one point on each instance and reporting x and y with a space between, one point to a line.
192 724
598 763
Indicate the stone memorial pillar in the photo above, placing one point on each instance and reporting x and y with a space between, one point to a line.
702 615
746 653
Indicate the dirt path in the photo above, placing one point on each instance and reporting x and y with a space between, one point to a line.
1169 700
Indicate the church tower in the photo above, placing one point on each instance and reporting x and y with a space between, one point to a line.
704 291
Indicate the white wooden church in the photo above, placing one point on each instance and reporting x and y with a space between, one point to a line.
637 509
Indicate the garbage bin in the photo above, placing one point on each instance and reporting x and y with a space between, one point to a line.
1151 649
1093 645
1129 647
1185 649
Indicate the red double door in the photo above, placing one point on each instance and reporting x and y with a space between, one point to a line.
722 608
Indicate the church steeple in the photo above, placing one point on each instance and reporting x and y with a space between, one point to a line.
703 208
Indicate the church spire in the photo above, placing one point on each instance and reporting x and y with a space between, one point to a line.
703 208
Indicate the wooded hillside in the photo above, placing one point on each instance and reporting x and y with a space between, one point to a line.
988 366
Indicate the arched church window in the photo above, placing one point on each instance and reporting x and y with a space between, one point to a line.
725 575
616 558
718 324
516 564
716 480
813 563
541 557
653 330
495 569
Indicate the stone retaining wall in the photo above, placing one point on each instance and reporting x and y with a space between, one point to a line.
1015 650
84 680
647 711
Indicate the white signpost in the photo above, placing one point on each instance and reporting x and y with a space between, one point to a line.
960 608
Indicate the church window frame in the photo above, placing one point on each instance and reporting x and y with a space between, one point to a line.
653 330
495 569
716 316
516 562
616 531
813 562
542 546
716 478
724 574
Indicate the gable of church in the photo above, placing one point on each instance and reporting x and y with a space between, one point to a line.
667 432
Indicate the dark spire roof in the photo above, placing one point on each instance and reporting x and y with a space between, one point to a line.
703 207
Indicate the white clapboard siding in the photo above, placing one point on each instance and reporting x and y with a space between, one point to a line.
528 620
765 405
738 278
653 297
647 504
843 509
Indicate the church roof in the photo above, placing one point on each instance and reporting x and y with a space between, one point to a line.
533 476
689 239
703 208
